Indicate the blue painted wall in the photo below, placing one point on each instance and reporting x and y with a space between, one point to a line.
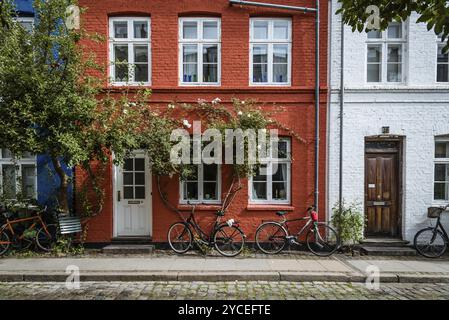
47 179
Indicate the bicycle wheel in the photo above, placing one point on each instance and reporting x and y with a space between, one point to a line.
229 241
271 237
179 237
45 238
4 241
322 240
430 243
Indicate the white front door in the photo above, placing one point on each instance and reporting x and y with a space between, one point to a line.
133 197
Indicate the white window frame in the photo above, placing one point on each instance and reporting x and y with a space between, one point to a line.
269 163
270 42
440 45
384 42
199 42
435 162
200 181
130 41
18 163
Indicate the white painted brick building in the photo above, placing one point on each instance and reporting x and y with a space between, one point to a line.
416 110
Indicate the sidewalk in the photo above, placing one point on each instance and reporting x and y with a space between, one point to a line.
338 268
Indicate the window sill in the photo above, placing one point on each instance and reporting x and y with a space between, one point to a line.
199 207
269 207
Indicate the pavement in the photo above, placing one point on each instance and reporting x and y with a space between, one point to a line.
290 268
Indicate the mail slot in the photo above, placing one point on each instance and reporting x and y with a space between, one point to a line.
134 202
379 203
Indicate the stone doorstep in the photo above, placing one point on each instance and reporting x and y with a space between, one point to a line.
229 276
128 249
386 251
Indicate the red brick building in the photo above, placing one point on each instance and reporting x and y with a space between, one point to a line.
248 52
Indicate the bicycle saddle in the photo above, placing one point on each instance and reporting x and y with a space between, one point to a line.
281 213
8 214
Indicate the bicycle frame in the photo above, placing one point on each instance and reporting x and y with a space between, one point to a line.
203 236
440 225
285 223
9 225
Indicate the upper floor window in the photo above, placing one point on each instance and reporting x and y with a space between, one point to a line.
129 50
270 51
17 176
441 170
26 22
385 54
442 62
199 51
203 185
271 185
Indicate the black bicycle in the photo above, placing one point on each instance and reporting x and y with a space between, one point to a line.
226 237
321 239
431 242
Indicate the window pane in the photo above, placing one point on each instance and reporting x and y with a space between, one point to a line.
374 53
190 30
128 193
442 57
28 181
280 73
190 53
190 190
260 30
128 178
139 164
279 172
443 73
442 172
141 29
259 191
141 73
210 53
139 192
121 62
394 53
260 53
139 178
374 34
9 181
6 154
190 73
260 73
373 73
395 31
129 165
210 172
259 176
280 30
279 191
140 53
27 25
442 150
210 73
210 30
282 149
280 53
120 29
394 72
210 191
441 191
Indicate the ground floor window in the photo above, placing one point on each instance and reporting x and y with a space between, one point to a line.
17 176
441 169
271 184
203 185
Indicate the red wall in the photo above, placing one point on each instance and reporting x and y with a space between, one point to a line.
297 100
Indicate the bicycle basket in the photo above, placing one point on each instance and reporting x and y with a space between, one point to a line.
434 212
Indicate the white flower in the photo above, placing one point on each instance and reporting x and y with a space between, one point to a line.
125 111
171 106
216 101
240 113
243 102
259 147
133 104
186 123
201 101
249 115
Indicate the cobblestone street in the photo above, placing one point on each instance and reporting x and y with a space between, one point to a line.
221 290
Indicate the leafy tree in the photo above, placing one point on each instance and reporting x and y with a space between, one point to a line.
435 13
51 98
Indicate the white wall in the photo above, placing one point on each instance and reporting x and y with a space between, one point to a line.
417 109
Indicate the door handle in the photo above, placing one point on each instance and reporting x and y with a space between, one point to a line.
118 195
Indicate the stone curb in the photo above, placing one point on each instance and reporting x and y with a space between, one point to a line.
221 276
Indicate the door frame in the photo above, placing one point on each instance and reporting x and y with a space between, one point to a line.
115 172
400 140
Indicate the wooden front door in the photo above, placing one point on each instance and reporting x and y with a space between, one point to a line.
382 193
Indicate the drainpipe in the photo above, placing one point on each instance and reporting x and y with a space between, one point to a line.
315 10
342 102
